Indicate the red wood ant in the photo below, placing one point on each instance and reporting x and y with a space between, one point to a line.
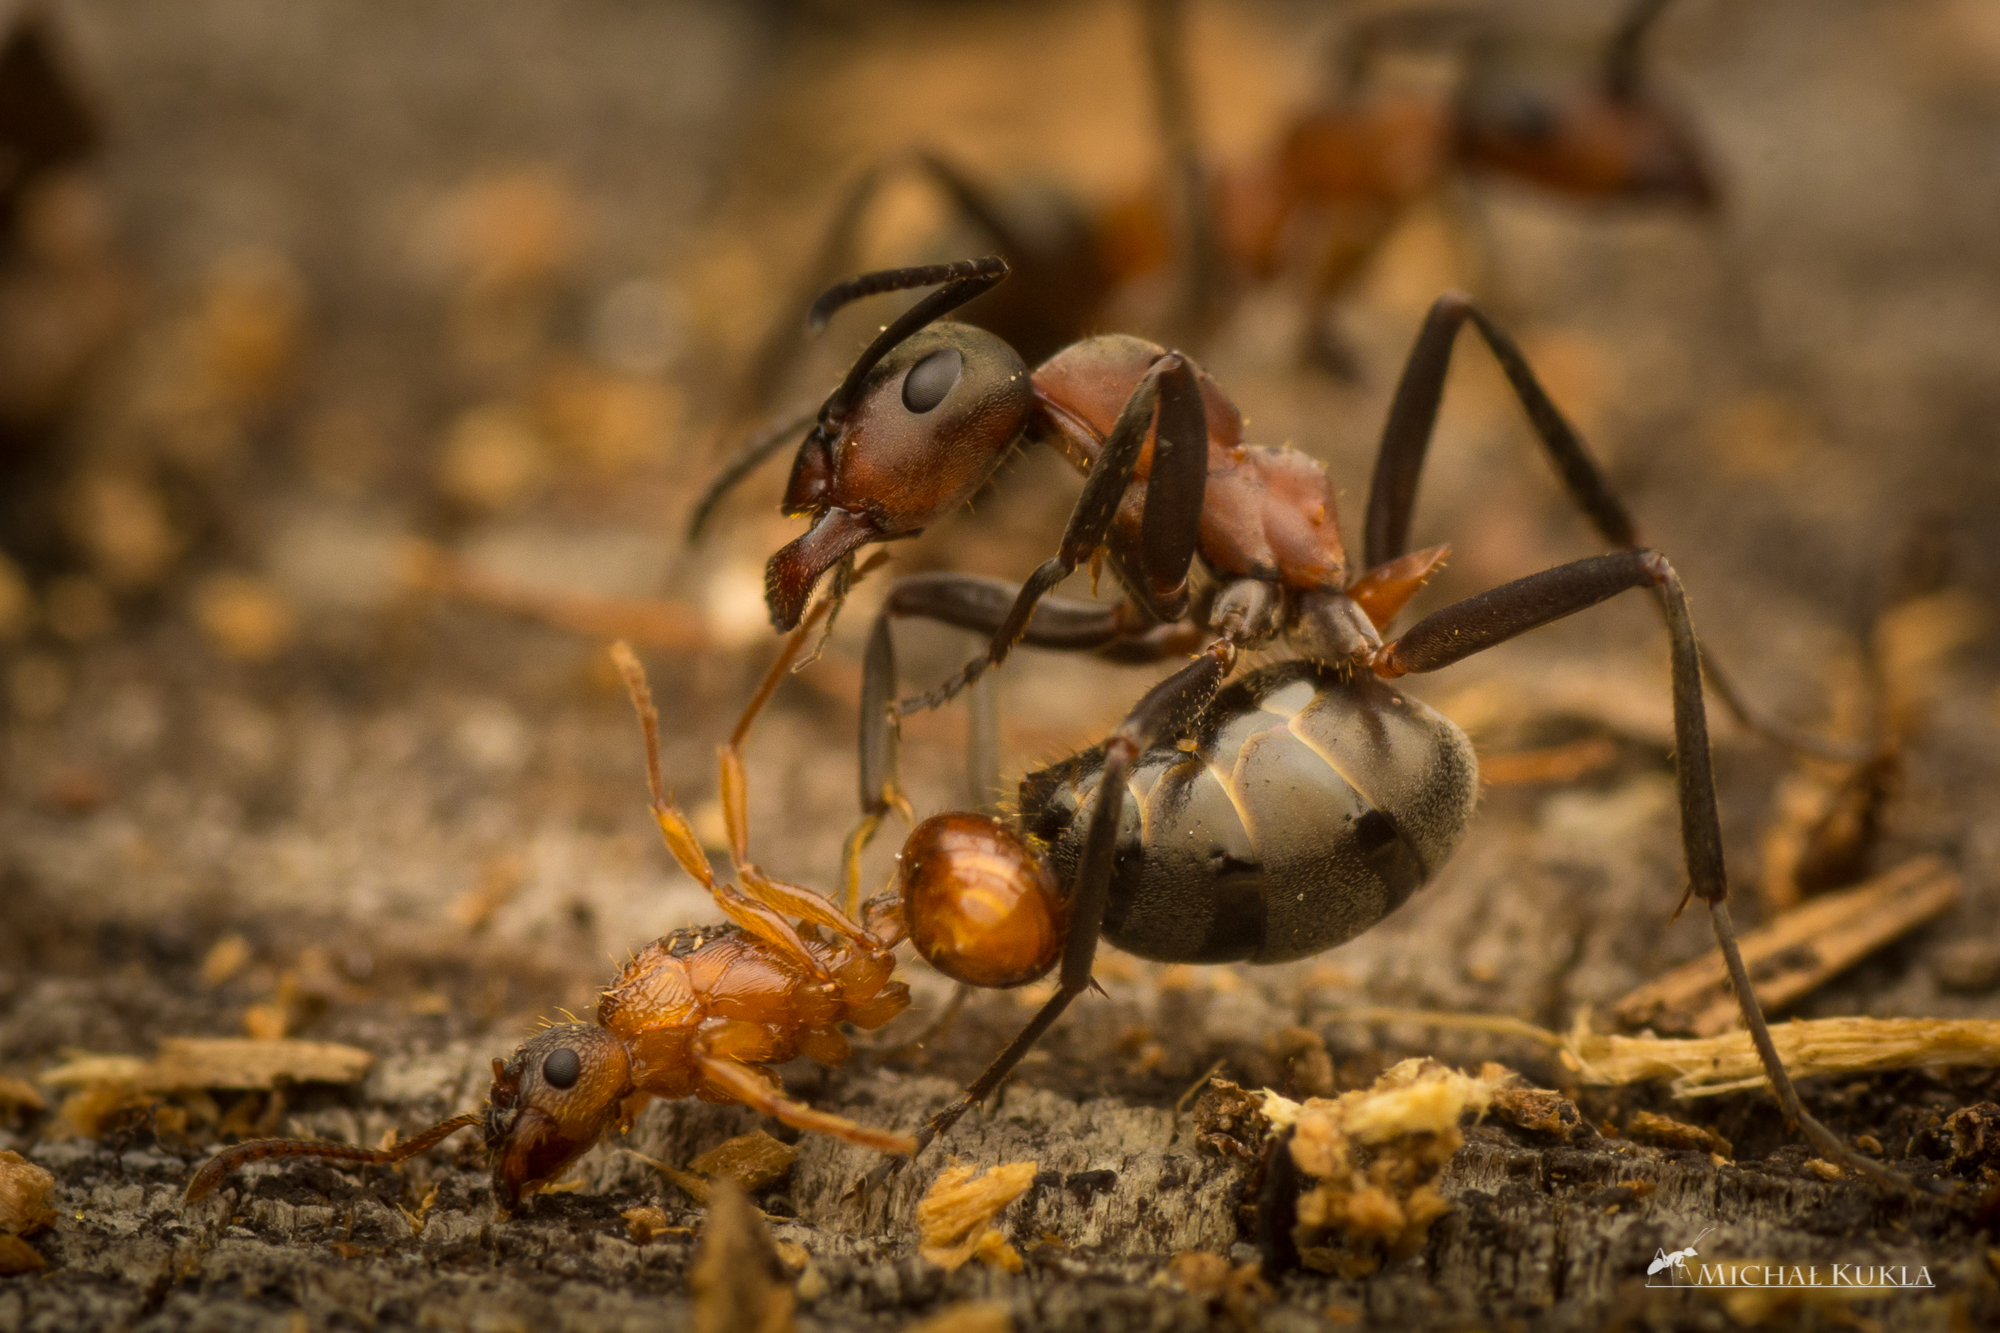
1321 199
702 1012
1253 839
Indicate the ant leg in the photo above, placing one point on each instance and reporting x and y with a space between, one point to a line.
1471 626
1169 525
1198 303
741 1083
752 454
1169 707
1406 436
984 788
972 603
760 919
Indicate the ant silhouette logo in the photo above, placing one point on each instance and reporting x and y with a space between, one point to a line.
1674 1264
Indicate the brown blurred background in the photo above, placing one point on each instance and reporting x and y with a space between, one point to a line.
339 278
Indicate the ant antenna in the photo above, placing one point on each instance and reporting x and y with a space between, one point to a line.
219 1167
1622 56
962 281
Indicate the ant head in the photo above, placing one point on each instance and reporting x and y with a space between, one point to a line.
550 1103
922 419
980 901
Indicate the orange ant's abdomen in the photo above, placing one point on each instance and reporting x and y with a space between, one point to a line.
981 905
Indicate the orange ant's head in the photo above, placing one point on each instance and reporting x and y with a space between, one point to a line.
923 417
980 902
550 1103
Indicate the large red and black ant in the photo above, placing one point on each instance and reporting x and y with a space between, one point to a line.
1320 200
1341 796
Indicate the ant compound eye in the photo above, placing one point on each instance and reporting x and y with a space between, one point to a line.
931 379
562 1068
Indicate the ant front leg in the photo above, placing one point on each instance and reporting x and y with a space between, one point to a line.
1169 524
1169 707
1478 623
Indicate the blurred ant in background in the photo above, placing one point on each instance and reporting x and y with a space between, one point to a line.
62 298
1319 201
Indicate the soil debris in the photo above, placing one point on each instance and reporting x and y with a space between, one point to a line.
1663 1131
1374 1156
739 1282
24 1193
955 1218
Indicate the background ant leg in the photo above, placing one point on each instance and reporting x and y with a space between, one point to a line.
1476 624
1406 437
1169 527
1169 707
752 454
1199 300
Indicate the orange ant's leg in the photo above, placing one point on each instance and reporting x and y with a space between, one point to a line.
735 788
674 826
742 1083
757 918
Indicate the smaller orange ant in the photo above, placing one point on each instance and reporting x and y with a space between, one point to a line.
702 1012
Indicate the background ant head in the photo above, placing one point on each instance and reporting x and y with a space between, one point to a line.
554 1099
921 420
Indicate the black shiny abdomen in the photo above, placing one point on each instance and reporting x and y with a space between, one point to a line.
1310 806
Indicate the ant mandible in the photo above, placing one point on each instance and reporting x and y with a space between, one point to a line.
928 412
702 1012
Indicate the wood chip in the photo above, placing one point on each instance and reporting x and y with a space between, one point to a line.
24 1195
739 1284
967 1317
17 1256
1793 955
1536 1109
19 1095
225 958
955 1218
234 1063
1663 1131
647 1223
1708 1066
755 1161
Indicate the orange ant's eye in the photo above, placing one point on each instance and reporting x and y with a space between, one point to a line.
982 906
561 1069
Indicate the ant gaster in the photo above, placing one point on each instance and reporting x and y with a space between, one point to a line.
1374 789
702 1012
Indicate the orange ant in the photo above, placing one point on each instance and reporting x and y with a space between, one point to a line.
703 1012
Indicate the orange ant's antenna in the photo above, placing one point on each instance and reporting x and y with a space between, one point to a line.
219 1167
